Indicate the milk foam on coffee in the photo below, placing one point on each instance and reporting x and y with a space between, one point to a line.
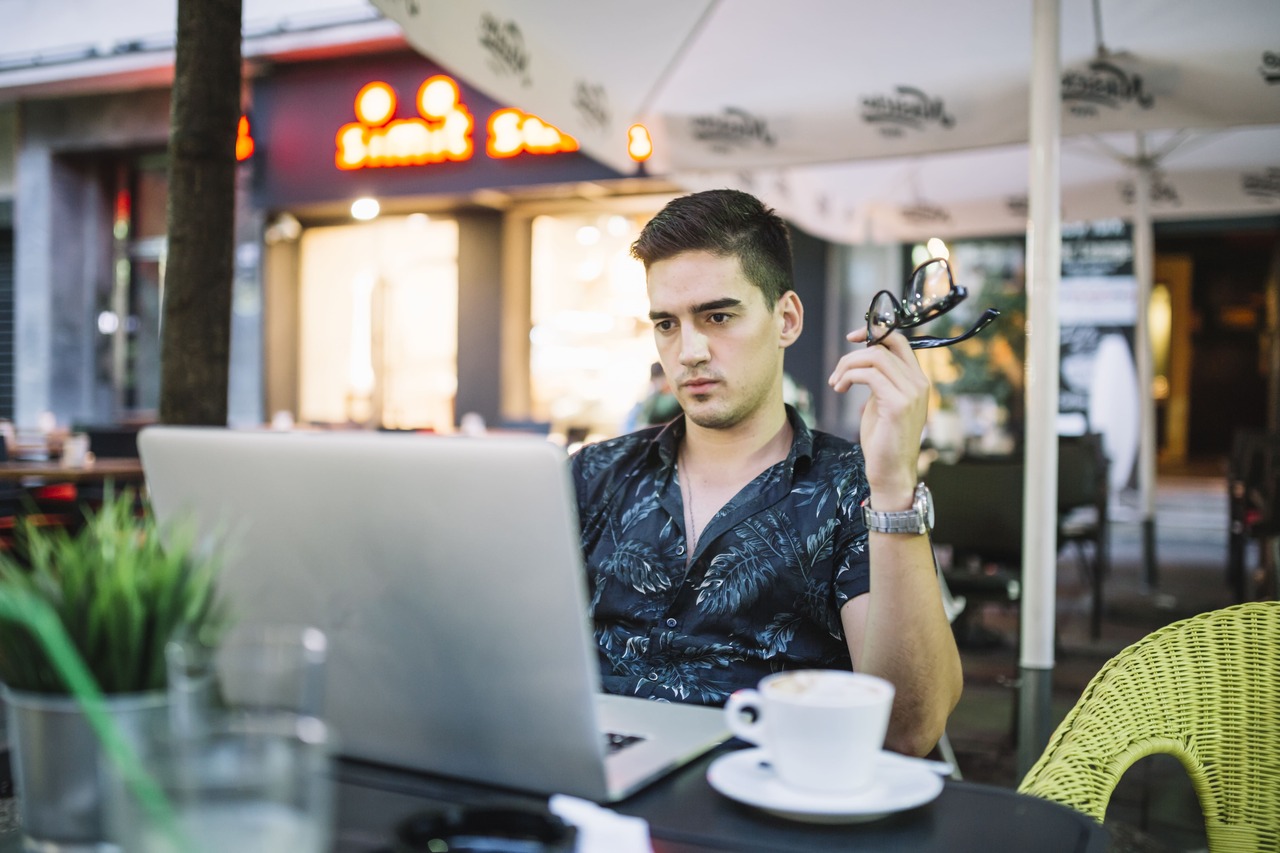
824 688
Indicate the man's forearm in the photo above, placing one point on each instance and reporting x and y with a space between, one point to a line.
906 638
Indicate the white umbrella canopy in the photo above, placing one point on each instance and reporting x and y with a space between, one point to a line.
983 192
793 99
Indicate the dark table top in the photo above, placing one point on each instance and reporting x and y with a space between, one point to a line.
686 815
106 468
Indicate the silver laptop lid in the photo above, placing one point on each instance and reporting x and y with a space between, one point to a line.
446 572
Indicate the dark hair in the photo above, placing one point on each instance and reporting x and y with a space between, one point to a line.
726 223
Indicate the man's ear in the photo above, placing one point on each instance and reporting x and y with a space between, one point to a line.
791 316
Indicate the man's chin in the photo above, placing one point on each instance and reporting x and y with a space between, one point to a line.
709 415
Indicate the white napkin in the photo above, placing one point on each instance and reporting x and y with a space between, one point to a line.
601 830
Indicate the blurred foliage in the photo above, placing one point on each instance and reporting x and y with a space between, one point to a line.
991 362
121 589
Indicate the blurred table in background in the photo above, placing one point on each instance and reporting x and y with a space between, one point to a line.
53 471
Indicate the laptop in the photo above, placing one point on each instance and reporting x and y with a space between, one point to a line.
447 574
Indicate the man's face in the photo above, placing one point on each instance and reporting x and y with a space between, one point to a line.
719 344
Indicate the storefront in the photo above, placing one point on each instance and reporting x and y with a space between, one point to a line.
430 253
90 190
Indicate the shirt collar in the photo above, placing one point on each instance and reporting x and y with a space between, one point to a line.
666 444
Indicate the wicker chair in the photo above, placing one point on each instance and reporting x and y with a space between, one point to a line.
1205 690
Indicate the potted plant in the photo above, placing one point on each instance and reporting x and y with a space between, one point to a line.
118 591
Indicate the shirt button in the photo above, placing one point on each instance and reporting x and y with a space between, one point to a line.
653 676
679 550
671 623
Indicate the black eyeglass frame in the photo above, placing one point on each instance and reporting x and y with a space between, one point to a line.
904 318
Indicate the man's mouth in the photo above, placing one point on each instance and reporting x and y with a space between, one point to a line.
698 386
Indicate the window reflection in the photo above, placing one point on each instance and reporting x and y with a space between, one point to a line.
591 343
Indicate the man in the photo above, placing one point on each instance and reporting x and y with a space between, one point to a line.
730 543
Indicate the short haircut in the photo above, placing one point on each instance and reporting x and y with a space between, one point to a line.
725 223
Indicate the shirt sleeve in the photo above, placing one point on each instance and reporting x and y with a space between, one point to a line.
852 556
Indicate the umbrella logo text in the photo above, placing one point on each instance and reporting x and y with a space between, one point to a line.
922 213
1103 85
1162 192
1270 69
907 108
1262 185
592 103
504 43
734 128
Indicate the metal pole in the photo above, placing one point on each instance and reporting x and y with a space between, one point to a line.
1040 500
1143 263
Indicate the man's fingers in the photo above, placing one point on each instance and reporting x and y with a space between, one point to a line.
895 360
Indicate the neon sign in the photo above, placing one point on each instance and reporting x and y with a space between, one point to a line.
244 142
639 143
512 131
440 132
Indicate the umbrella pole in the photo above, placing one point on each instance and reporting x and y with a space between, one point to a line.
1143 261
1040 493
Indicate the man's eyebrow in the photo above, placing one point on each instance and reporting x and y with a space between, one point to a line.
717 304
701 308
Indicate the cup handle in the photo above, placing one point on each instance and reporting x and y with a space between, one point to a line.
742 702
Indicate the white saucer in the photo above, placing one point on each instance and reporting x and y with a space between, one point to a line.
900 784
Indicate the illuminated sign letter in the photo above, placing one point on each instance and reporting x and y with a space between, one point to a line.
244 142
512 131
442 131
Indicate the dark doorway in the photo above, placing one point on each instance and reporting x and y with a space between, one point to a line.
1229 336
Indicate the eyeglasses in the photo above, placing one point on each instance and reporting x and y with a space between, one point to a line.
929 293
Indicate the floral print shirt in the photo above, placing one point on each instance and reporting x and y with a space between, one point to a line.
764 589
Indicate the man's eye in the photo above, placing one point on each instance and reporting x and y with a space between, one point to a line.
664 325
719 317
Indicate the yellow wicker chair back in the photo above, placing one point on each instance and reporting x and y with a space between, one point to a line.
1205 689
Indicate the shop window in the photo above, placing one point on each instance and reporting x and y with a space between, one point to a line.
378 316
591 344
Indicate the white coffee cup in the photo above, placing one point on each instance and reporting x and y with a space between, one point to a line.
821 729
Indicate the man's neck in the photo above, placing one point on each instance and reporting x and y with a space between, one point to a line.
755 444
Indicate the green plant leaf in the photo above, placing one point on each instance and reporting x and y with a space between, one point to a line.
120 587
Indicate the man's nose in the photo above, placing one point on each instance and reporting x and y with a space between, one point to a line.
693 347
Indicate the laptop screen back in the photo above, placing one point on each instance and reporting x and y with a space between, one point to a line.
445 571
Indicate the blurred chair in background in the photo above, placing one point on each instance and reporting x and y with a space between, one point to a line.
978 507
1253 487
979 516
1083 503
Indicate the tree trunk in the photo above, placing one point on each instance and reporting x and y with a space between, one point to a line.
196 319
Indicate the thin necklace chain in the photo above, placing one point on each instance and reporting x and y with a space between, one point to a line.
686 492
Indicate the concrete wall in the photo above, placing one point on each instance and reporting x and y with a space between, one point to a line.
480 314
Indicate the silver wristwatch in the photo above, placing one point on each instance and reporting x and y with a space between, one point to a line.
917 520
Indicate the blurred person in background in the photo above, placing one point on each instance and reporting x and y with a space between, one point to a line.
731 543
659 405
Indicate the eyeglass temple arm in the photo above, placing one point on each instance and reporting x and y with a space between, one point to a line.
930 342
